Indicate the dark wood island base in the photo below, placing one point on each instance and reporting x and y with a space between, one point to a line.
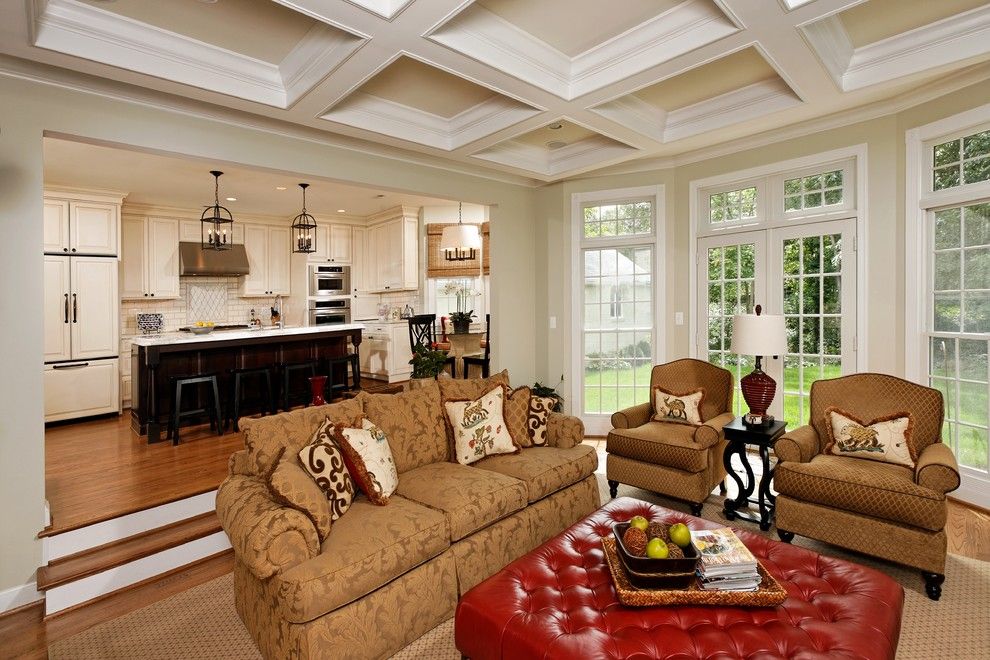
156 359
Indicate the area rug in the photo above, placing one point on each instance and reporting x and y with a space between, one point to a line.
201 623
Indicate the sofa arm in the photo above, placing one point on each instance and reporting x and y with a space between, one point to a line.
797 446
268 537
564 431
937 469
710 432
630 418
238 463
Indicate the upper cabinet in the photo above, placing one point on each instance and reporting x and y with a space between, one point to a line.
334 244
393 246
149 257
81 226
268 252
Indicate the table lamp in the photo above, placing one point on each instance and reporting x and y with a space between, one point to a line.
759 335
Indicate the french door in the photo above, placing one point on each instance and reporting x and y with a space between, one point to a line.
806 272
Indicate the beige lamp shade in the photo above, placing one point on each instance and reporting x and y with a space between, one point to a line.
758 335
460 237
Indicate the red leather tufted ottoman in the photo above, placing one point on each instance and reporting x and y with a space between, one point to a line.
557 602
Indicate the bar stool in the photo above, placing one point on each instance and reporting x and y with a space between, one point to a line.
177 414
287 370
354 361
264 375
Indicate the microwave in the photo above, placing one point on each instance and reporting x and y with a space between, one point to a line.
330 311
329 280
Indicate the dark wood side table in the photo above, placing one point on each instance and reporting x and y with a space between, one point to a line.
739 435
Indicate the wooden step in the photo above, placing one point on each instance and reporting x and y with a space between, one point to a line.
117 553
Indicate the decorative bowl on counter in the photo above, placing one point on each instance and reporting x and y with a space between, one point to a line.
201 328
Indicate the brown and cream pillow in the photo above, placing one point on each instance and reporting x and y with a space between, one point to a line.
323 461
479 427
886 439
540 408
292 486
679 408
370 457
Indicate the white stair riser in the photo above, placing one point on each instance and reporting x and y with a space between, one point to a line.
94 586
84 538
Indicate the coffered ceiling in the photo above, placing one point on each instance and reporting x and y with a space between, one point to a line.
478 82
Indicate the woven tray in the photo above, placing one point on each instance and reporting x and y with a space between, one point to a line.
770 593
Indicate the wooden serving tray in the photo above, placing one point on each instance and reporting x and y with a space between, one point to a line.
770 593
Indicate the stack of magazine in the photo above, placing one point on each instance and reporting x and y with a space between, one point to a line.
726 564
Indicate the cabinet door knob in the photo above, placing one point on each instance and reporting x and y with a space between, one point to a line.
73 249
152 295
65 249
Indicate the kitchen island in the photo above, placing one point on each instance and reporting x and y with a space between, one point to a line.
157 358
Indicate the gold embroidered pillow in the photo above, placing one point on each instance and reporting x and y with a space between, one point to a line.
324 462
540 408
367 450
516 414
680 408
887 439
479 427
292 486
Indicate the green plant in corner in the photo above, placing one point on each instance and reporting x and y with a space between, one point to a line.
427 362
539 389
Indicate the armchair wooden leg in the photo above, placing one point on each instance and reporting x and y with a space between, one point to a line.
696 508
933 584
786 537
613 488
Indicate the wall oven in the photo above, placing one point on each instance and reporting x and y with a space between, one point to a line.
330 311
329 280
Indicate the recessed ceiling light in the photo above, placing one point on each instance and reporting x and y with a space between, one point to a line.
556 144
341 211
231 199
556 126
279 187
209 2
379 196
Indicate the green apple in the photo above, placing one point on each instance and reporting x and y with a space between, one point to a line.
680 534
639 522
657 549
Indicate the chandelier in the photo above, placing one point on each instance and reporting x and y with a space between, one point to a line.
460 242
304 228
216 223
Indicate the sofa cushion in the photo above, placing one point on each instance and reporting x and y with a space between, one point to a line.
880 490
366 549
887 439
672 445
414 423
470 498
515 411
545 470
369 460
325 464
479 427
538 419
291 485
462 389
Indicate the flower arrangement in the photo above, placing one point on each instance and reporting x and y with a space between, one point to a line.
465 312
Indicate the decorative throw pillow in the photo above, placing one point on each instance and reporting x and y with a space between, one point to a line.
540 408
479 427
367 450
681 408
292 486
887 439
324 462
516 414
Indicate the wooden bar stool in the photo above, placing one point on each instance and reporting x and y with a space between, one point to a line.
482 359
177 414
305 369
237 392
354 362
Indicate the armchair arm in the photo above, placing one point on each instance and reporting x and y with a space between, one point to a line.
266 536
798 446
564 431
710 432
238 463
937 469
630 418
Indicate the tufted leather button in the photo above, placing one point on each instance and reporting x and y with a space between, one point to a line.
558 602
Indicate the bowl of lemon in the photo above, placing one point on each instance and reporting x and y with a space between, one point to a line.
201 328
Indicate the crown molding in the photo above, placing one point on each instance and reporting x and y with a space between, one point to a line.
756 100
585 153
87 194
636 114
387 9
317 55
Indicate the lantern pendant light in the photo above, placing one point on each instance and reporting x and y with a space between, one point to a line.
216 223
304 228
459 242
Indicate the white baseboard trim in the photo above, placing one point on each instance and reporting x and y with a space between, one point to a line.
94 586
84 538
15 597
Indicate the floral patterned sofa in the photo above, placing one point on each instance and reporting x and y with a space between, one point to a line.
385 575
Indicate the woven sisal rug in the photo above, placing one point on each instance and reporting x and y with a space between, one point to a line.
201 623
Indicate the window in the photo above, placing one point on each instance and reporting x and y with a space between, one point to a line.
442 294
813 191
732 205
961 161
628 219
615 308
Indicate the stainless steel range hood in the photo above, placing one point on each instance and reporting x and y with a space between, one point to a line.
194 260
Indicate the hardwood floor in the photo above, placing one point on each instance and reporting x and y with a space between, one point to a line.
968 531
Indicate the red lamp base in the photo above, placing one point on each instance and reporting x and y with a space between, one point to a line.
758 389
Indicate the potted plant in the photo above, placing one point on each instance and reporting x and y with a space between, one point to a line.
427 363
462 321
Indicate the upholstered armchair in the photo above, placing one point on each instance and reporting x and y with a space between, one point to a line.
881 509
677 460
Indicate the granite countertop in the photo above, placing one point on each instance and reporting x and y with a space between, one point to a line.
220 336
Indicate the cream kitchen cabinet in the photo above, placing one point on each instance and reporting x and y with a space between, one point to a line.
385 353
81 227
268 253
395 246
334 244
149 259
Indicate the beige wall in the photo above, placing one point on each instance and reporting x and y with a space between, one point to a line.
28 110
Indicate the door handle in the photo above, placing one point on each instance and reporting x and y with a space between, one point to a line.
66 308
71 366
75 308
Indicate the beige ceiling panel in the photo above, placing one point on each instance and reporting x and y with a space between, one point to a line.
878 19
732 72
574 26
568 133
421 86
260 29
